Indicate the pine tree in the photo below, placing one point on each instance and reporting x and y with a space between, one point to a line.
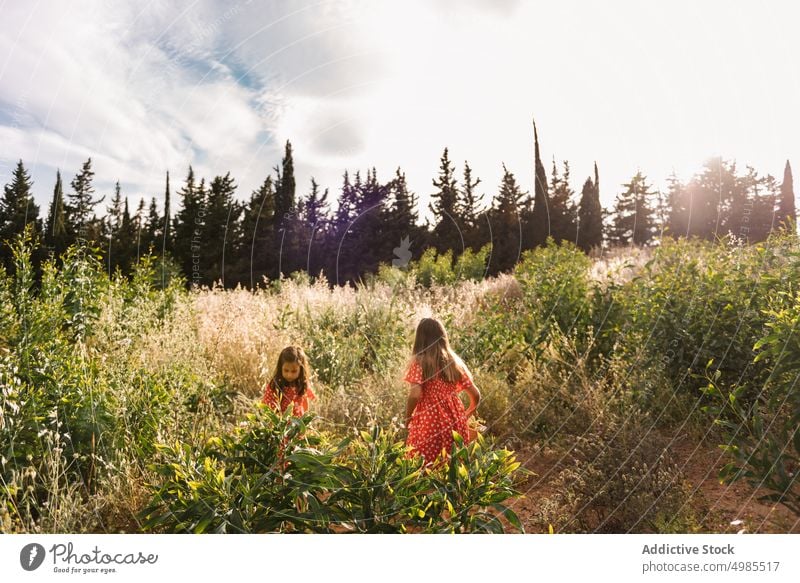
506 223
563 213
187 228
258 231
678 203
537 226
633 213
403 233
467 210
444 206
590 214
55 235
113 225
152 229
218 249
787 214
127 240
316 205
17 210
166 227
315 216
709 197
765 203
660 214
347 206
343 242
81 204
114 212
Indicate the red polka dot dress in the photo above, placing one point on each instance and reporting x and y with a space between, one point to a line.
299 405
288 396
438 413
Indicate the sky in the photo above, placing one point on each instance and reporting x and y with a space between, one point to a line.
152 86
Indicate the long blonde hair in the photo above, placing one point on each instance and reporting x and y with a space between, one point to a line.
432 351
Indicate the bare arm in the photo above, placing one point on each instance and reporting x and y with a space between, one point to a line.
414 395
474 397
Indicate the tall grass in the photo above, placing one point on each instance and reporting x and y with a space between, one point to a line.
100 376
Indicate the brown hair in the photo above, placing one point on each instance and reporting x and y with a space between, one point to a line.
432 351
292 354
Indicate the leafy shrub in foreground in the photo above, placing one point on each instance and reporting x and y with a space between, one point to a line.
764 434
277 475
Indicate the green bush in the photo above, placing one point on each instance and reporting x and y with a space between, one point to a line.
472 265
763 434
276 475
555 289
434 268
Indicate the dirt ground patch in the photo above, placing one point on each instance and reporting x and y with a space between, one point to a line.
715 505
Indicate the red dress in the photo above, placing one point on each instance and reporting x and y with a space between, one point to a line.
438 413
289 396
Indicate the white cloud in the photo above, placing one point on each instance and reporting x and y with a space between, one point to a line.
148 87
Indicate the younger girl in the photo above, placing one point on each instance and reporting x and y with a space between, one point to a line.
434 409
290 383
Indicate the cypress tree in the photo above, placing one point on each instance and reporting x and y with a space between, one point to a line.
590 214
55 233
140 228
787 214
373 246
166 228
113 225
285 202
538 225
340 260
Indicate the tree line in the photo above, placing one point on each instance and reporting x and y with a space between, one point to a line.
211 236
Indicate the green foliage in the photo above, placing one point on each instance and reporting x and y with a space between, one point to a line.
764 433
696 301
76 404
472 488
555 289
344 345
98 373
276 475
472 265
265 477
434 268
